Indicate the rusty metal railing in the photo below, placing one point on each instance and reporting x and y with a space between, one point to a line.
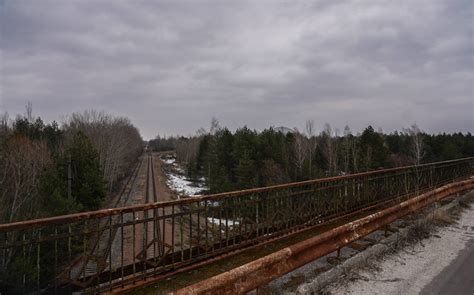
58 254
261 271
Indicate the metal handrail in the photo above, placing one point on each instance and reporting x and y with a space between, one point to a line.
135 208
110 248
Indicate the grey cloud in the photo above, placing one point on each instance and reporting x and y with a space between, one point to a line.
171 66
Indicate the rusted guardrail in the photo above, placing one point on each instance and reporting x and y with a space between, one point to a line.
58 255
259 272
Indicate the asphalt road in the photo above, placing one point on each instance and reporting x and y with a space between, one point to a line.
458 277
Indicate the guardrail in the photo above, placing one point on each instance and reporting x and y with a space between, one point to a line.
259 272
59 254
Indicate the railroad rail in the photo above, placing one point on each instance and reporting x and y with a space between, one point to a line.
192 231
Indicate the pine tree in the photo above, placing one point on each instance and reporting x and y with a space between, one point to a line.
373 151
245 172
225 159
53 189
88 185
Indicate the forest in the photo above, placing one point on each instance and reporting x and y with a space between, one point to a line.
248 158
48 169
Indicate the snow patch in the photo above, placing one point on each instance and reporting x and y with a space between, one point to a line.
178 182
169 161
409 272
217 221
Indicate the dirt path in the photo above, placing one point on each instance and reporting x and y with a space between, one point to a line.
162 189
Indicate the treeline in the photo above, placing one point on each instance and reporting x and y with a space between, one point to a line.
247 158
162 144
47 169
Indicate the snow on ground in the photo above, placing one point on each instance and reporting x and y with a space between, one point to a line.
178 182
407 272
184 187
169 161
217 221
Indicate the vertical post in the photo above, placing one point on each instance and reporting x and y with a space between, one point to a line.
38 264
172 234
24 258
133 243
55 258
110 252
163 230
121 247
431 178
256 212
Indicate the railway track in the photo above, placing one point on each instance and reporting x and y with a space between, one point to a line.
151 192
151 243
159 234
97 259
108 242
156 240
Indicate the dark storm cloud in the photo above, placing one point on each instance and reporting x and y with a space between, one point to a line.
170 66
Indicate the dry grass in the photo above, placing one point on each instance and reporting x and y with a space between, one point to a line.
294 282
417 227
416 232
464 204
440 217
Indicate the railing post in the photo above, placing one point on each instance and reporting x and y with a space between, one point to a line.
271 211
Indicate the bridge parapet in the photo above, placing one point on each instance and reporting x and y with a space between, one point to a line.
111 248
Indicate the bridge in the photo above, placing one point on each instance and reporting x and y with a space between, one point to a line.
119 249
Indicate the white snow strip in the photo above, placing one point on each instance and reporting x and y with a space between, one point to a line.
217 221
169 161
182 185
408 272
178 181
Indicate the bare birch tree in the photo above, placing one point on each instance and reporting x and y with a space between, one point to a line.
417 144
346 148
3 165
300 148
25 161
187 149
329 147
311 144
215 126
355 153
117 141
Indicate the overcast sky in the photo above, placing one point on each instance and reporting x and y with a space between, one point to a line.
171 66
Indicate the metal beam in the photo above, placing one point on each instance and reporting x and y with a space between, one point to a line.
259 272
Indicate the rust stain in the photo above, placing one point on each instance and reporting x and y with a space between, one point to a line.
135 208
259 272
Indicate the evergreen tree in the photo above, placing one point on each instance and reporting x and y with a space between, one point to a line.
53 136
247 158
373 151
225 159
245 172
88 185
53 189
